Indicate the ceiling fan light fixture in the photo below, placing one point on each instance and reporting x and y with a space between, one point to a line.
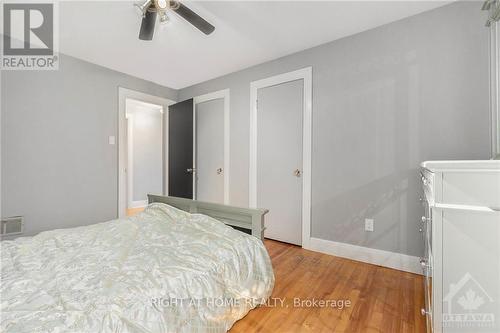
151 9
143 6
164 19
174 5
162 5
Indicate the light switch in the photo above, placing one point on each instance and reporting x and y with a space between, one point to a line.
368 224
112 140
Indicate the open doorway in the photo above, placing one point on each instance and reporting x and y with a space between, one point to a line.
143 149
144 152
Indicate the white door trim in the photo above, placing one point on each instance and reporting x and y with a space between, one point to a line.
123 94
304 74
495 87
225 93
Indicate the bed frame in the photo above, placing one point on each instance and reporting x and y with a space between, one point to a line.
249 220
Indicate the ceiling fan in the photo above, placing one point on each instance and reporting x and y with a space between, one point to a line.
151 8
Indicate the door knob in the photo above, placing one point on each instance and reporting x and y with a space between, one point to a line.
297 173
191 170
424 312
219 171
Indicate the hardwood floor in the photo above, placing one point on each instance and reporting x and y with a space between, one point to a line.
133 211
382 299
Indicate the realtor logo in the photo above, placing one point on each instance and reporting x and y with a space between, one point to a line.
468 305
29 36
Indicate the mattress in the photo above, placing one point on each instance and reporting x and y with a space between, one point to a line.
163 270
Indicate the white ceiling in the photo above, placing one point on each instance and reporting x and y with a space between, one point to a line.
247 33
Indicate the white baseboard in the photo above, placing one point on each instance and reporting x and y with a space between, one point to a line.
388 259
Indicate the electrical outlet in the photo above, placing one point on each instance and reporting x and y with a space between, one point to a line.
368 224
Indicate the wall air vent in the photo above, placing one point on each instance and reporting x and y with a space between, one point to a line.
12 225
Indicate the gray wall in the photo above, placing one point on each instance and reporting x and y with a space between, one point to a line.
383 100
58 169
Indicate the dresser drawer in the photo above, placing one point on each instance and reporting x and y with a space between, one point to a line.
472 189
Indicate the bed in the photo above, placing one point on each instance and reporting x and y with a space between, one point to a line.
163 270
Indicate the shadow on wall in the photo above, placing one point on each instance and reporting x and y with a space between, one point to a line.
380 145
392 201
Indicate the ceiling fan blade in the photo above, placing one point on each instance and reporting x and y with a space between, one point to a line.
194 19
148 25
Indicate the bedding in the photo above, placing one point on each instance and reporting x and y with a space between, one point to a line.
163 270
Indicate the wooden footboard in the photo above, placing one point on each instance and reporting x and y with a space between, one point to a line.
249 220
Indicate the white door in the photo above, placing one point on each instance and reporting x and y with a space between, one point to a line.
279 159
210 151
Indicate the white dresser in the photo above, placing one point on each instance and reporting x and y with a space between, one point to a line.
461 233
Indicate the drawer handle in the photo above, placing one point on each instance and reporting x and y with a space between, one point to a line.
425 219
424 179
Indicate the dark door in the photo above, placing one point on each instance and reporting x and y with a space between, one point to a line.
180 149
